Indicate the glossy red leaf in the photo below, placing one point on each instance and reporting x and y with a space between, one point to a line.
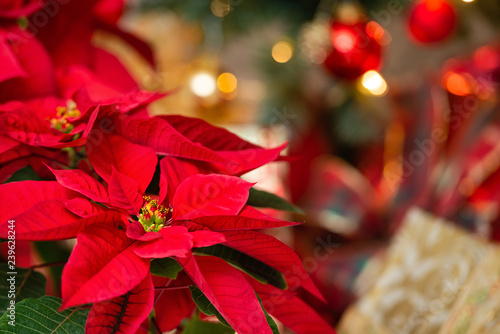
276 254
123 192
230 293
248 218
11 68
163 138
209 195
172 306
20 196
207 238
136 231
123 314
215 138
102 266
291 310
136 161
83 183
54 220
247 160
176 241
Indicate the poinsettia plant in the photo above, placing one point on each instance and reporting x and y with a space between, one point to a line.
163 233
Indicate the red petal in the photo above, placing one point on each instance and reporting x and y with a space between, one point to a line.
136 231
163 138
171 307
176 241
207 238
292 311
53 220
10 65
215 138
102 266
23 126
20 196
209 195
276 254
123 314
247 160
230 293
80 181
248 218
136 161
123 192
35 61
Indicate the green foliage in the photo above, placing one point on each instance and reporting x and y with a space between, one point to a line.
34 316
197 326
270 321
28 283
205 305
52 252
23 174
166 267
264 199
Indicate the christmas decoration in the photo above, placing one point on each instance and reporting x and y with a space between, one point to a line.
432 20
355 49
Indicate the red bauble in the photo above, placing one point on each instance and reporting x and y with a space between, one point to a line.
432 20
355 49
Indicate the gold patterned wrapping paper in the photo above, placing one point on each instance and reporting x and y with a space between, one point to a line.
426 266
477 309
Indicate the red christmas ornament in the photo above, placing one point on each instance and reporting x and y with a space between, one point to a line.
356 49
432 20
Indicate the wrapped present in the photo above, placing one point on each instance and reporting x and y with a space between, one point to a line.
424 273
477 309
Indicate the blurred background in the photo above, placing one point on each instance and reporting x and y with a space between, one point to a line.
387 106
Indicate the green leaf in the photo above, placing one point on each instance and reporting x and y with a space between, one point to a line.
208 308
246 263
166 267
197 326
52 252
35 316
205 305
263 199
270 321
28 283
23 174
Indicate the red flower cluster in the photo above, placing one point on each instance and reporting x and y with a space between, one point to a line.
133 189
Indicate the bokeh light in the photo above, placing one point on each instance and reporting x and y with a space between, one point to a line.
282 51
227 82
203 84
374 83
457 84
344 41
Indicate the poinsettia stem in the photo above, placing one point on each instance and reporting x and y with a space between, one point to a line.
51 264
153 320
161 292
171 288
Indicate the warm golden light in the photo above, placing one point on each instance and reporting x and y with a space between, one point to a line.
374 82
227 82
220 8
203 84
282 52
467 0
457 84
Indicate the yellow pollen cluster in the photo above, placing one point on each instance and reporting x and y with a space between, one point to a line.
153 216
60 122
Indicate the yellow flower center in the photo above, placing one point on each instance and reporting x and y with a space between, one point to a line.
60 122
153 216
